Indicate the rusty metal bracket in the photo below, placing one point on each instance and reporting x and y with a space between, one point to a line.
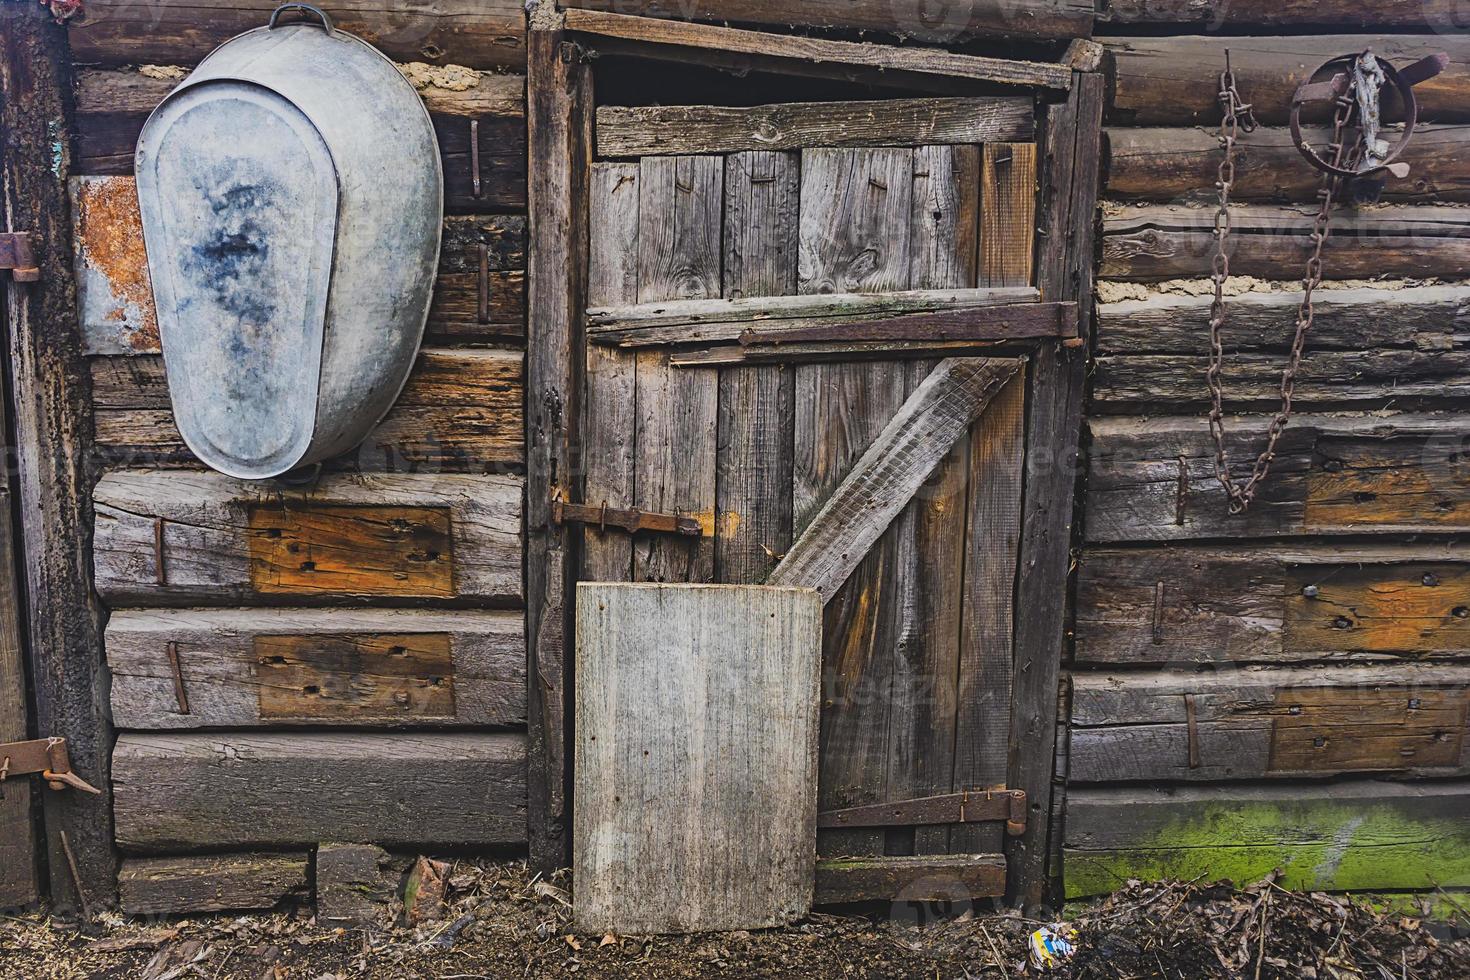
46 756
16 255
968 806
631 521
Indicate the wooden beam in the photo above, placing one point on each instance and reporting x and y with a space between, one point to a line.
1421 14
1292 723
957 878
1272 604
559 116
193 791
1335 474
348 668
1379 836
181 538
1169 164
112 105
1174 81
53 435
897 463
1028 19
211 883
826 352
181 32
633 131
19 884
1067 205
779 48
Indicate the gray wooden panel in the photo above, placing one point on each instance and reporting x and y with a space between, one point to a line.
695 772
210 882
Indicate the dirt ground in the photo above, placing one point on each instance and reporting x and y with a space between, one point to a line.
499 922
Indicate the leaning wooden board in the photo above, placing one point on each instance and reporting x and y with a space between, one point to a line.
211 882
189 791
169 538
218 668
696 755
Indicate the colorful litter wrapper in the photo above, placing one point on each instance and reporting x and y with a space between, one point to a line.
1052 944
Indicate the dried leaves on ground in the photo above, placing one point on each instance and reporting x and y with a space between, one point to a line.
498 921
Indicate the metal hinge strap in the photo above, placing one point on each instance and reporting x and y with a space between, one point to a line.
969 806
16 255
46 756
632 521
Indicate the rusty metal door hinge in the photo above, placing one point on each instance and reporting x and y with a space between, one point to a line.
16 256
970 806
631 521
46 756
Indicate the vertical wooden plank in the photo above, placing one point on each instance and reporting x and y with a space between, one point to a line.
753 465
946 217
53 435
607 425
18 882
856 215
675 766
1068 206
559 114
1007 214
679 219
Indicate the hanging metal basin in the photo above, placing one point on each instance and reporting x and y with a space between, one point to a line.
291 195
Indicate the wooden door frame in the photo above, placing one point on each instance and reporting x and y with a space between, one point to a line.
559 113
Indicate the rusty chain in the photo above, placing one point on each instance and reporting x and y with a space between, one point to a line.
1238 118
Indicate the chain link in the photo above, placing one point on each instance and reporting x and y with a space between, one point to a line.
1239 118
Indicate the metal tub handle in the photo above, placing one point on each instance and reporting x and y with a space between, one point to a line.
304 8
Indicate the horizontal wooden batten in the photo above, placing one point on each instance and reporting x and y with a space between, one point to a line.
222 668
957 878
479 291
1163 164
1032 19
181 32
461 411
815 352
1153 479
1269 723
112 105
772 51
1158 242
1256 604
1172 81
1432 14
1425 318
633 131
191 791
211 883
1360 836
185 537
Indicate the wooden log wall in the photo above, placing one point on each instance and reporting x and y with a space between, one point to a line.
344 661
1258 690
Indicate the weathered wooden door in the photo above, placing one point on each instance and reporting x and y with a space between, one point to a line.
822 342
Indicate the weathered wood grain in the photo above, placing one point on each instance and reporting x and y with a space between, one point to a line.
754 438
559 122
1423 318
776 50
1036 19
722 750
953 878
344 668
1255 723
944 241
1175 242
680 217
183 791
181 32
1443 15
116 299
51 429
112 105
224 540
1278 604
1154 479
1361 836
210 883
19 885
632 131
1172 164
460 412
1173 81
893 467
1007 214
611 379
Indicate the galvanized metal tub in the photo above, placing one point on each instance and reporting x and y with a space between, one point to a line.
291 195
